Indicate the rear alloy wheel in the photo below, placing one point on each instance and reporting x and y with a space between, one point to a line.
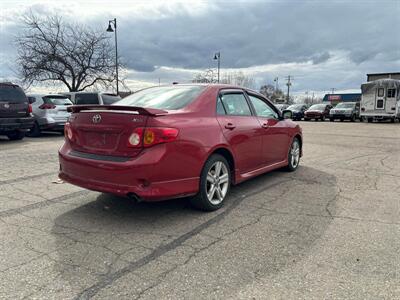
215 181
294 155
16 135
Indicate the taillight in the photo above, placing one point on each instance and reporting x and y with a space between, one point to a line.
47 106
29 108
147 137
69 134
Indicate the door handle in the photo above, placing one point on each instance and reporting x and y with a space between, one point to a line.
264 125
230 126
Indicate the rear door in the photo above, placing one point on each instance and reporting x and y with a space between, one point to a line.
13 102
275 134
241 129
391 100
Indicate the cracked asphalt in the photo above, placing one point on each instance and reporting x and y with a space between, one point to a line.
331 230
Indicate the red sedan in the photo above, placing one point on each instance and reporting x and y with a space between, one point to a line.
177 141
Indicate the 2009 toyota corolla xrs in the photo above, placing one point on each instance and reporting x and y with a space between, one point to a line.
177 141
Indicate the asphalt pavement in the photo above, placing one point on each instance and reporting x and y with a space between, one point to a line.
330 230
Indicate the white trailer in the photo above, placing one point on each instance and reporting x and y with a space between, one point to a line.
380 100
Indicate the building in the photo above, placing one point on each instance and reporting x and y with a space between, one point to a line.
336 98
376 76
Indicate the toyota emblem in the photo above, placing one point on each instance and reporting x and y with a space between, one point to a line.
96 119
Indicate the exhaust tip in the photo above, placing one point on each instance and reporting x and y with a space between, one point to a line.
134 197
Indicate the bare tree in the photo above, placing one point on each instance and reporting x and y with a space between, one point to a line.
204 77
53 51
269 91
238 78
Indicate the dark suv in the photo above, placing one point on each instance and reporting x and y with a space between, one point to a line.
15 112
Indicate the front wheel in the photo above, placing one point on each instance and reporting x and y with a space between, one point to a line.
215 181
294 155
16 135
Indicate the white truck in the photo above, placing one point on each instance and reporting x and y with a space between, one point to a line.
380 100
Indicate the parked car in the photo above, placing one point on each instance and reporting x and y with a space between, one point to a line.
15 112
50 113
83 98
317 112
281 107
298 111
156 144
345 110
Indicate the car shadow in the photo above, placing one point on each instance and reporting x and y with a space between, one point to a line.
110 233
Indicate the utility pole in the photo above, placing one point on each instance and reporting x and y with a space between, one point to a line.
276 83
288 88
333 90
110 29
217 57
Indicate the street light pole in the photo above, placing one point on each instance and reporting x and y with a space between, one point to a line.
217 56
110 29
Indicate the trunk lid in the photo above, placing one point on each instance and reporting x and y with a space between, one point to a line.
105 130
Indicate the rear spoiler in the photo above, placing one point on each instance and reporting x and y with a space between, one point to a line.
117 108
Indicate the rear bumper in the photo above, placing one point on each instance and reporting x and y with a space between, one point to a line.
340 116
49 123
313 116
143 176
11 124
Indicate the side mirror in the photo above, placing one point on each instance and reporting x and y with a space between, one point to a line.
287 114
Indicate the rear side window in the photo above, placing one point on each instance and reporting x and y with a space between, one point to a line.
12 93
381 92
110 99
86 98
235 104
56 100
164 97
391 93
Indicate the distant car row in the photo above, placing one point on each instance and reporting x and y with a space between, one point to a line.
22 114
321 111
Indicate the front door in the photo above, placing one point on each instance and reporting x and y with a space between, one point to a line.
241 129
275 136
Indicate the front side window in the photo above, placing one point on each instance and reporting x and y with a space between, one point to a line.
381 92
235 104
262 109
391 93
86 98
56 100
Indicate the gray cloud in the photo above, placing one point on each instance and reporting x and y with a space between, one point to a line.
258 33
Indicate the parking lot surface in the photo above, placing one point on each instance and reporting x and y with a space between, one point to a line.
330 230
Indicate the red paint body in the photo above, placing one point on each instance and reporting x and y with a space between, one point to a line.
170 170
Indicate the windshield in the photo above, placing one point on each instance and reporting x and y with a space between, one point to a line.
166 97
295 107
345 105
318 107
11 93
57 100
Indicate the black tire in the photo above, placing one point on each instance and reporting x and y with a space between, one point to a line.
353 118
361 119
306 119
341 120
201 200
16 135
35 131
332 119
291 167
369 120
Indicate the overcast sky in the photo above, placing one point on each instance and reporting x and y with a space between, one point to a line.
322 44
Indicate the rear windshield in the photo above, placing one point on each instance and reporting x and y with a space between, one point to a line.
165 97
110 99
345 105
11 93
57 100
86 98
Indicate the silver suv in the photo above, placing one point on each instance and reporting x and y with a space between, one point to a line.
50 113
345 110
